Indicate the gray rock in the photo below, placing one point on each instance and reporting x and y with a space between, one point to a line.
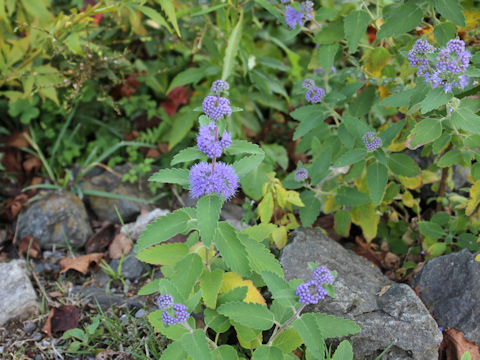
134 230
18 299
233 214
29 327
448 285
459 177
104 208
398 317
140 313
53 220
132 268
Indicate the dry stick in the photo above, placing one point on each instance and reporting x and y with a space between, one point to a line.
42 289
443 182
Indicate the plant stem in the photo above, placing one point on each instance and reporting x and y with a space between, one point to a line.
285 324
443 183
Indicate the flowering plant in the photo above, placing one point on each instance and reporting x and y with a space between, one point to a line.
218 272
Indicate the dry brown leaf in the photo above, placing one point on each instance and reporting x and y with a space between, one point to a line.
61 319
80 263
101 239
18 140
29 243
32 164
55 294
120 245
111 355
454 345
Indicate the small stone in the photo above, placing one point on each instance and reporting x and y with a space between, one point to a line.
134 230
37 336
29 327
18 299
38 357
140 313
54 220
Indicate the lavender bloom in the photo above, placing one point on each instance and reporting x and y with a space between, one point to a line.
417 54
301 174
323 275
293 17
452 62
315 95
308 84
164 301
181 315
372 141
216 107
208 143
204 180
218 86
334 70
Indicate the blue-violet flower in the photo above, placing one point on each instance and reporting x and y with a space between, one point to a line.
164 301
208 143
372 141
315 94
216 107
301 174
218 86
206 180
181 315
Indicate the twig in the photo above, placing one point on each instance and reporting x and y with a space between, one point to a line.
443 183
42 289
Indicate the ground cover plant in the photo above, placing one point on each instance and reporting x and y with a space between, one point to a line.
360 118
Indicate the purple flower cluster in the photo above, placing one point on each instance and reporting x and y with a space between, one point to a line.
372 141
218 86
312 292
446 69
314 94
208 143
294 17
216 107
165 302
215 177
301 174
206 179
181 315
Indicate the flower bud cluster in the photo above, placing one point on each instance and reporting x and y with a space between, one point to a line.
215 177
301 174
372 141
314 94
294 17
446 68
181 314
312 292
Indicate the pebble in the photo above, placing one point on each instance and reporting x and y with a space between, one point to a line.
140 313
38 357
29 327
37 336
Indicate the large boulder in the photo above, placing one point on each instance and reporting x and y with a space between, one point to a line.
389 314
18 299
449 287
111 182
55 220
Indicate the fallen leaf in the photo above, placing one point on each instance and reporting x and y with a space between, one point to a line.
80 263
18 140
32 164
120 245
454 345
61 319
15 205
175 98
101 239
55 294
29 246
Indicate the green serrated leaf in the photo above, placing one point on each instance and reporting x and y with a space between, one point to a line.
216 321
238 147
174 351
308 329
251 315
265 352
435 98
247 164
452 157
377 178
344 351
210 283
186 155
208 213
196 345
401 20
426 131
259 257
335 327
431 230
451 9
169 9
342 222
403 165
465 119
165 254
172 176
350 158
288 340
355 25
186 273
259 232
224 352
163 229
348 196
231 249
192 76
310 212
279 288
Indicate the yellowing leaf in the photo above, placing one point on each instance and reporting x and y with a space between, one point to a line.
471 20
293 197
429 177
383 92
411 183
250 344
397 147
232 280
474 200
200 249
407 199
477 258
367 218
265 208
279 236
281 195
329 205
